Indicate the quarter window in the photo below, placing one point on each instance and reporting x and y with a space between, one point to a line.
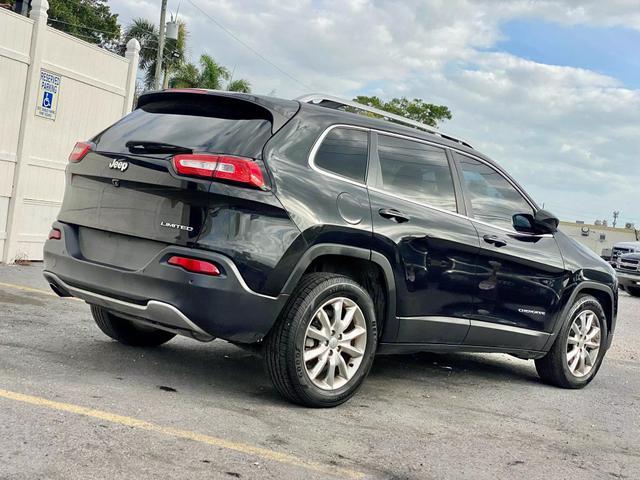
344 152
416 171
493 199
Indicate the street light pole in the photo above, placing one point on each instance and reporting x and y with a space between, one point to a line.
163 15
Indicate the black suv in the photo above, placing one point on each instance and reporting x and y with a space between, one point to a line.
320 237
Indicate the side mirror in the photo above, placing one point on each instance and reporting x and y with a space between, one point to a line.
546 222
523 222
540 223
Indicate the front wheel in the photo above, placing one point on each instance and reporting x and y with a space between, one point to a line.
578 351
323 345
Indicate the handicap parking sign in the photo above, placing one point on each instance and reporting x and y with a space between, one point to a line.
48 96
47 100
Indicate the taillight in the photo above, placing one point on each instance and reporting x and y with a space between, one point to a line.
223 167
195 266
80 151
55 234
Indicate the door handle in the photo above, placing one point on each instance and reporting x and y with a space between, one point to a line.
494 240
393 215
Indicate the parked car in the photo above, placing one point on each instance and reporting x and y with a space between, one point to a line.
622 248
319 237
628 269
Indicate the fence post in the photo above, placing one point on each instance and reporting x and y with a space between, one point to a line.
133 55
39 16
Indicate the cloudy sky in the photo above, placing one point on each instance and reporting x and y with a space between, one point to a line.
548 88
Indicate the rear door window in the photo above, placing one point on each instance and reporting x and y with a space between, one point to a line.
344 152
203 123
416 171
494 199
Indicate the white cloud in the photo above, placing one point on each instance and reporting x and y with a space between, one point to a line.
569 135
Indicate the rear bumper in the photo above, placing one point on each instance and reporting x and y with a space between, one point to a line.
200 305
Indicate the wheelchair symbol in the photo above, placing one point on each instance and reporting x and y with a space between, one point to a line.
47 100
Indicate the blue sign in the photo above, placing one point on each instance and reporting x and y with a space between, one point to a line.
48 96
47 100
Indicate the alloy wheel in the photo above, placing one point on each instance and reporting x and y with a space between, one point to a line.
583 343
335 343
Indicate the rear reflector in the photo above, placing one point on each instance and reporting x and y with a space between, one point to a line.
196 266
80 151
223 167
55 234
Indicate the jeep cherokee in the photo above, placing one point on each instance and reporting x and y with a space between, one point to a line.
320 237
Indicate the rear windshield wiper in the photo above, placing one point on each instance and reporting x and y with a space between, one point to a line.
142 146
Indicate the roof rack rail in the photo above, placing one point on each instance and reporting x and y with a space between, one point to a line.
337 103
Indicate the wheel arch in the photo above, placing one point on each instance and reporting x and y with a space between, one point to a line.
600 292
363 265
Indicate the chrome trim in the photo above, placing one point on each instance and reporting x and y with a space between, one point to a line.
440 319
318 98
154 310
456 214
480 324
242 283
316 146
508 328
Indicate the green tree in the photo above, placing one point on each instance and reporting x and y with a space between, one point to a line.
146 33
90 20
210 75
416 109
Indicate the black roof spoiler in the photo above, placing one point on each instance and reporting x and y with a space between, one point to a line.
281 111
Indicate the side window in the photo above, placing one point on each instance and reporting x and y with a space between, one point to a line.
493 199
416 171
344 152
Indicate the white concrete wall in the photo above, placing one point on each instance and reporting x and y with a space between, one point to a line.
593 241
96 89
15 43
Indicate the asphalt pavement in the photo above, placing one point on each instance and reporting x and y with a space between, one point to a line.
76 405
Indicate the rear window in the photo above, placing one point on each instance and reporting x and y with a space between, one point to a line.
344 152
204 123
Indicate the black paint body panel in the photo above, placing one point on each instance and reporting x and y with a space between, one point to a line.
445 288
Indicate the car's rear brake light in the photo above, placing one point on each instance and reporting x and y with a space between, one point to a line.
195 266
186 90
223 167
79 151
55 234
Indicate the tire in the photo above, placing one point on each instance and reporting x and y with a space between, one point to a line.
126 331
554 368
289 342
634 292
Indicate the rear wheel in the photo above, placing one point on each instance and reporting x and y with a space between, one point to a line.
323 345
578 351
128 332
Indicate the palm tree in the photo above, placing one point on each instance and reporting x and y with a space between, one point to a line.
240 85
211 75
147 34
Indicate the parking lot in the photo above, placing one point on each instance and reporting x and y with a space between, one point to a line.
74 404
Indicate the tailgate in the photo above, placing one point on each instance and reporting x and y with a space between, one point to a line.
137 192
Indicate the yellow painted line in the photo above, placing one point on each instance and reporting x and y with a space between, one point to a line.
246 449
34 290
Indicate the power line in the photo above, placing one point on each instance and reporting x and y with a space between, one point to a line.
84 26
247 46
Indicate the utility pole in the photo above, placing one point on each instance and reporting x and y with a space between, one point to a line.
615 218
163 16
